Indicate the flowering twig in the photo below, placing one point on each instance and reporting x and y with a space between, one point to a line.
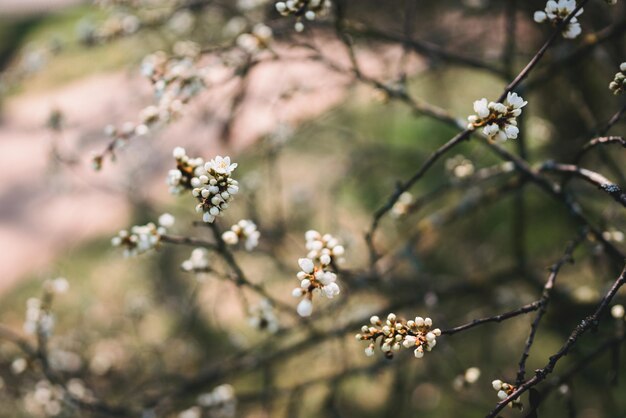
583 327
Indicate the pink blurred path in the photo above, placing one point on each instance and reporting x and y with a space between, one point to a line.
48 208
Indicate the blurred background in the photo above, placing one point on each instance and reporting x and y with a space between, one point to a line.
319 146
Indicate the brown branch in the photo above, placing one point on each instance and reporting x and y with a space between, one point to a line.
583 327
592 177
595 142
543 304
496 318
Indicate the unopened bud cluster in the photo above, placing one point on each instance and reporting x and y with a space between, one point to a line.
210 183
618 85
498 120
142 238
314 279
307 9
555 12
324 249
504 390
394 333
257 40
262 317
245 230
198 261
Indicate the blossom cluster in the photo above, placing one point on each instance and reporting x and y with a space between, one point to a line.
244 230
210 183
395 333
220 403
314 280
257 40
498 120
214 188
618 85
557 11
504 390
309 9
142 238
325 249
198 261
262 317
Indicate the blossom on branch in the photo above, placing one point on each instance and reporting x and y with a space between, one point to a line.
198 262
504 390
244 230
214 188
325 249
142 238
314 280
309 9
498 120
395 333
556 12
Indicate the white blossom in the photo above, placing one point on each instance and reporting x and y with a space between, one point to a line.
180 178
503 390
395 333
305 308
324 249
198 261
214 188
557 11
315 275
142 238
246 230
166 220
309 9
498 120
